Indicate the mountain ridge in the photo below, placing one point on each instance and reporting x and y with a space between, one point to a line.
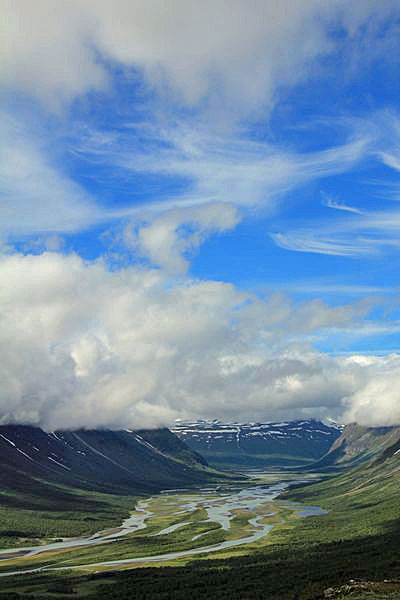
118 462
258 445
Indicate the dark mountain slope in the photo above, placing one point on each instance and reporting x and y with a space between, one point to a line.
104 461
170 445
259 444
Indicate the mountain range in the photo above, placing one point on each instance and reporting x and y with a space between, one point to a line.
60 470
259 445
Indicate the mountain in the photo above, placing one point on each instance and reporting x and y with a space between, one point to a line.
73 483
117 462
258 445
358 444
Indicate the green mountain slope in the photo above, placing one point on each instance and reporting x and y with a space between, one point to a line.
363 499
358 444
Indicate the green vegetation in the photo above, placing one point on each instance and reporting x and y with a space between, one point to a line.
352 552
70 513
236 461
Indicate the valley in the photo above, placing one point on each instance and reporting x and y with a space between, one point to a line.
185 523
286 533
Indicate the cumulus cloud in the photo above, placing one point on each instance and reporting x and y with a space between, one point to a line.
85 346
166 239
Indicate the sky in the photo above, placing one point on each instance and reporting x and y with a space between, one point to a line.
199 212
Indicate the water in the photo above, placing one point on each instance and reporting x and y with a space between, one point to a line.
219 504
130 525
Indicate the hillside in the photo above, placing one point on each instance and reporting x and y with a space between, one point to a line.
259 445
105 461
363 496
358 444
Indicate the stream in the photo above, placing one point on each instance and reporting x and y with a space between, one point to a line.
219 502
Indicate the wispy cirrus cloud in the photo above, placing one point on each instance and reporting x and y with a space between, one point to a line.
330 202
329 286
217 170
359 232
37 197
233 69
313 241
227 167
221 173
367 233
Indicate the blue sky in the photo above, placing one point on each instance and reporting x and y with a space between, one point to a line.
250 150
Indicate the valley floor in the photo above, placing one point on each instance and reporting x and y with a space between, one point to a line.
286 554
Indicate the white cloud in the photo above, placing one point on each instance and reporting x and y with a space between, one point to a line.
360 232
218 167
333 286
36 196
368 234
233 55
251 174
333 203
83 346
222 172
377 402
230 51
167 239
316 243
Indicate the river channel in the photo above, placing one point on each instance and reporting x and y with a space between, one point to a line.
221 504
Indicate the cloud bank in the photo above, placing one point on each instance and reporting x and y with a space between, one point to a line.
85 346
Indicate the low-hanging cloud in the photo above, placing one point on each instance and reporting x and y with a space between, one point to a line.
83 346
377 401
